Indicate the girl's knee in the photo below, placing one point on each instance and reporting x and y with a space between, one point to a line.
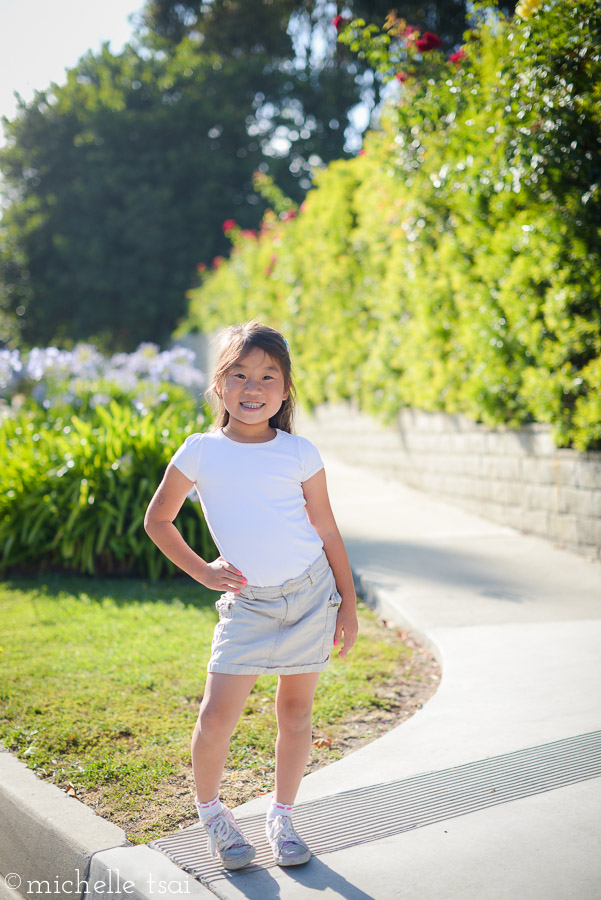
294 715
213 723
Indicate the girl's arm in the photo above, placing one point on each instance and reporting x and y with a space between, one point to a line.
218 575
322 519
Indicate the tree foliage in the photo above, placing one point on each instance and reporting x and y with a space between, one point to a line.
456 264
117 182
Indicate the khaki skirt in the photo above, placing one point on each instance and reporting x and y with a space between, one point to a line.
283 630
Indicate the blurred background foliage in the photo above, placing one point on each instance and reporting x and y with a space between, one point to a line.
84 443
456 263
116 183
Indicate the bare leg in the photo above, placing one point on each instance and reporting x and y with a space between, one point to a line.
294 705
223 701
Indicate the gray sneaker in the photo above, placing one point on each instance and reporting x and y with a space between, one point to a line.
227 842
288 848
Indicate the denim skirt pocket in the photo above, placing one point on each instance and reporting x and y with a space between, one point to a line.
334 602
225 608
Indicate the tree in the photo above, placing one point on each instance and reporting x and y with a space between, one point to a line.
117 185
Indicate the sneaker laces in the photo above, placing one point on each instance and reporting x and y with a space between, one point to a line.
285 832
223 834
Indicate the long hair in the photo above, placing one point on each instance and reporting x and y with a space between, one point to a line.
236 342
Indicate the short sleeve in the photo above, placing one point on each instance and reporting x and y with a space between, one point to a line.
187 458
311 461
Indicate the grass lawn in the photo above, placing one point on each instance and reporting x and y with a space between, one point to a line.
100 682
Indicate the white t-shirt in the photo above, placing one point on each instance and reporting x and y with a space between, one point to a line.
252 498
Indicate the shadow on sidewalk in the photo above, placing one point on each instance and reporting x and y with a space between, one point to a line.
452 567
380 811
258 884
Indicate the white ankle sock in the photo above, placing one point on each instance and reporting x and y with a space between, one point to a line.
208 810
278 809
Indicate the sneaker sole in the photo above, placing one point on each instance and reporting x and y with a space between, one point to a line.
296 861
241 861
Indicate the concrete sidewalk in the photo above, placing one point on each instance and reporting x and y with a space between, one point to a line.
516 624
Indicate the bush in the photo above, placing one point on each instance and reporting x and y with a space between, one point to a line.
456 264
73 492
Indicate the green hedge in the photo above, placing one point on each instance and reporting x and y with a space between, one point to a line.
456 264
73 492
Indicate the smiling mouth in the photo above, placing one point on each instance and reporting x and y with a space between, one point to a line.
250 405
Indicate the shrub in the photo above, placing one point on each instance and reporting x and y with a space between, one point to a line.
455 264
73 492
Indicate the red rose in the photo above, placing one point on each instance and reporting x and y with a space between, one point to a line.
217 260
428 41
228 225
458 56
338 22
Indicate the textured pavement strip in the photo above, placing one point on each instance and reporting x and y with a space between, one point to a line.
379 811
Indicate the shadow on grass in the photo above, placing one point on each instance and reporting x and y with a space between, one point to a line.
121 590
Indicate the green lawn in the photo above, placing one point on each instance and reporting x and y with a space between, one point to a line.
100 682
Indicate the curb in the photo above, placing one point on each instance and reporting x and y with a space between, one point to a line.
139 873
47 838
54 845
377 600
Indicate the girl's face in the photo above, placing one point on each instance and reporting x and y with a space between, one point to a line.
253 392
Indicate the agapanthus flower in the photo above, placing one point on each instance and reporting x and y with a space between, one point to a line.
10 367
61 377
43 361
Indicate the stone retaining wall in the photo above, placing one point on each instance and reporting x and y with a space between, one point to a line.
517 478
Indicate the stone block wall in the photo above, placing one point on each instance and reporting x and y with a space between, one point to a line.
517 478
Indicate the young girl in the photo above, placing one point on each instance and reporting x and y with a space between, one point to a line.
287 587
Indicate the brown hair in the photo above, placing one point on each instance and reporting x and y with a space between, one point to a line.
236 342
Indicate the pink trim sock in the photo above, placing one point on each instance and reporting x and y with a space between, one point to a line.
208 810
278 809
